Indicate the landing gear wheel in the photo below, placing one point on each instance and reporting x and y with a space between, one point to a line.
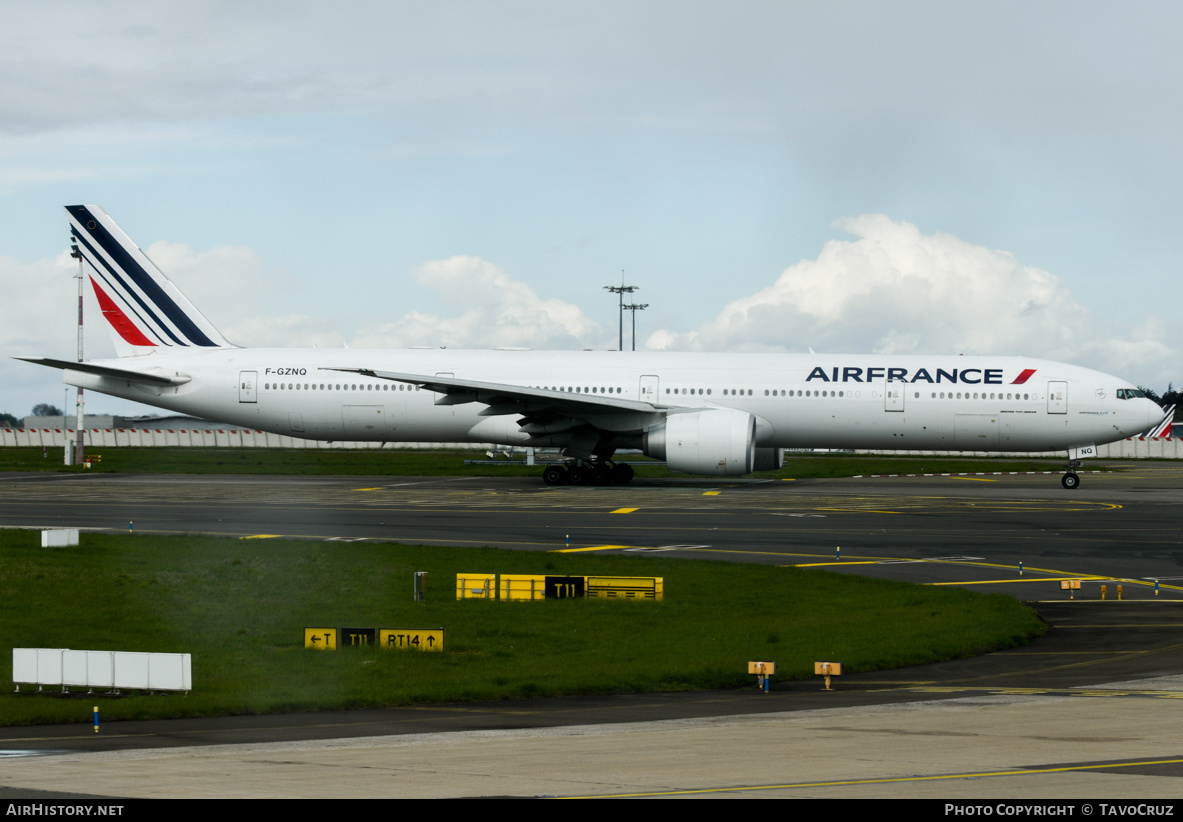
622 473
1070 481
555 475
578 475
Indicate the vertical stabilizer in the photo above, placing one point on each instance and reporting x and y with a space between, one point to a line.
143 309
1163 429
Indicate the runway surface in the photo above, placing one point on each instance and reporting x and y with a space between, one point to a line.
967 529
1091 709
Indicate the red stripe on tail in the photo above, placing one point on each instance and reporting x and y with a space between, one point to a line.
119 321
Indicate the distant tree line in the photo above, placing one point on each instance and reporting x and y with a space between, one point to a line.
1169 398
43 409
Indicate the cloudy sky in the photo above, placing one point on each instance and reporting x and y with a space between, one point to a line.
925 177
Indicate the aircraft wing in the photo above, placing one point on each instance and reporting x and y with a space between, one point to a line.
509 399
157 377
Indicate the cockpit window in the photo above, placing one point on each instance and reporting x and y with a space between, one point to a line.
1129 393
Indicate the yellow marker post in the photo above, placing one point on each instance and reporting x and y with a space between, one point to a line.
763 672
827 669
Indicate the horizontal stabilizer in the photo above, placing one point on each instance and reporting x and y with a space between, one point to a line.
157 376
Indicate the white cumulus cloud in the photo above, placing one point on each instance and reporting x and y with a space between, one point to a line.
895 290
233 287
38 317
495 311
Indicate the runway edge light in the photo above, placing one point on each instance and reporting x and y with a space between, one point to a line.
763 671
827 669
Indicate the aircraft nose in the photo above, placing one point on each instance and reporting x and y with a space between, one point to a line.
1154 414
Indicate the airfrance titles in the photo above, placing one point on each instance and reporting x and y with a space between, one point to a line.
970 376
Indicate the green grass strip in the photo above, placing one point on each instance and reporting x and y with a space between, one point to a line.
240 607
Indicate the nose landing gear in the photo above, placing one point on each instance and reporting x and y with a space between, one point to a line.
1071 480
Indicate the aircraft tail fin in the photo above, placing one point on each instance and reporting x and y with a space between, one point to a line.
143 309
1163 429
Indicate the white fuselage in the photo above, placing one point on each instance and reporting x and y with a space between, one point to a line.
799 401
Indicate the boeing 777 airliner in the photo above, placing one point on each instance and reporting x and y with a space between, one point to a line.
718 414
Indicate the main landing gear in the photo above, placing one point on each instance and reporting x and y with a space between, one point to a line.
589 473
1070 480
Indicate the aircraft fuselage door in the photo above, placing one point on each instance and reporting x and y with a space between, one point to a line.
893 395
1057 398
649 385
363 422
246 386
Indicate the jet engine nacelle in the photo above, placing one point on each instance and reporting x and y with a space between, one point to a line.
719 441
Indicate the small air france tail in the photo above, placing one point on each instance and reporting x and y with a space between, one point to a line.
718 414
142 307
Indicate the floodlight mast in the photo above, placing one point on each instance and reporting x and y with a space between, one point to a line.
621 289
79 446
635 307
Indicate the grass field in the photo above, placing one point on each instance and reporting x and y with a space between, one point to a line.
371 462
240 606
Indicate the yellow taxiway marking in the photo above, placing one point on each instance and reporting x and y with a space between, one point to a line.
980 564
1020 579
367 489
974 479
710 493
859 511
1096 693
892 779
592 548
624 510
1118 625
262 536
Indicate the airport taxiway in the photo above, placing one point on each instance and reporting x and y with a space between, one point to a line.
963 529
1091 709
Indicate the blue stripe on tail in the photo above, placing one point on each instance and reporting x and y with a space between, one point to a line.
142 279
